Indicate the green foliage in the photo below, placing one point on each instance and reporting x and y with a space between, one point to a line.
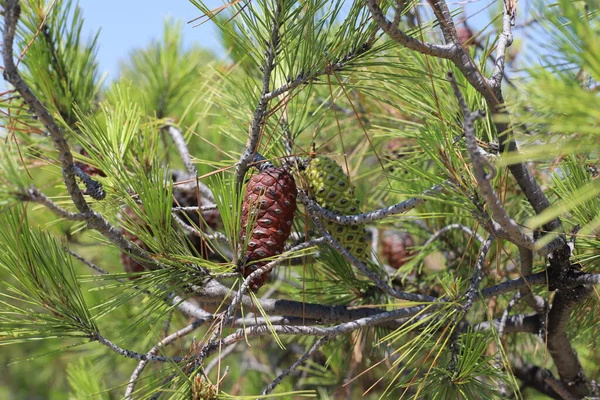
60 64
85 381
42 299
361 95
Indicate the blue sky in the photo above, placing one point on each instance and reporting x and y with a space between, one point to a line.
129 24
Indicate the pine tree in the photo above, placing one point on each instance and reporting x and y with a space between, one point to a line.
126 261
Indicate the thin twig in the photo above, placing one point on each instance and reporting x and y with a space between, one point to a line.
505 40
132 354
450 227
371 216
12 11
316 346
265 269
195 208
506 313
90 264
183 150
477 273
152 353
261 108
34 194
365 270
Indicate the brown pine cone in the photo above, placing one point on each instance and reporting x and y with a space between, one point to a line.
269 203
395 248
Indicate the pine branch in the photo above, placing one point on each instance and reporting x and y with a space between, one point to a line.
12 11
532 376
316 346
506 313
183 150
483 178
477 273
564 356
261 108
371 216
265 269
195 208
132 354
35 195
329 332
450 227
365 270
504 41
442 51
152 353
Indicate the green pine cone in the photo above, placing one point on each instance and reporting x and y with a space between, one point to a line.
330 187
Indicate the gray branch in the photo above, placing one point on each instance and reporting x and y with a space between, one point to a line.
442 51
132 354
152 353
506 313
330 332
477 273
316 346
261 108
34 194
366 271
265 269
376 215
183 150
450 227
12 11
483 179
505 40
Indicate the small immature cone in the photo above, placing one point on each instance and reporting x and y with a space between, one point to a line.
329 186
269 204
395 248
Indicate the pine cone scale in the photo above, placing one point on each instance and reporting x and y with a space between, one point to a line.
331 188
269 202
